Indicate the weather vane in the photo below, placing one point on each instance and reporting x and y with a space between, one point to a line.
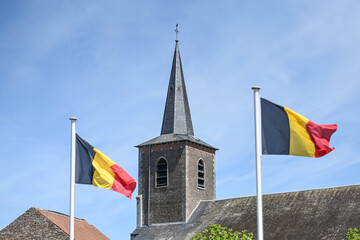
177 32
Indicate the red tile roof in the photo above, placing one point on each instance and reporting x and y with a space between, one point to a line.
83 230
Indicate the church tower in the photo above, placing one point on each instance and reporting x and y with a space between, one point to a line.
176 169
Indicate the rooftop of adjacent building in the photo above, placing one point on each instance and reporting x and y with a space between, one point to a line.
311 214
28 224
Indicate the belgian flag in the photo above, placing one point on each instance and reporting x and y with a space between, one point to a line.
289 133
94 167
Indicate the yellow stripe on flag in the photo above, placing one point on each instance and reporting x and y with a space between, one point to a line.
103 176
300 141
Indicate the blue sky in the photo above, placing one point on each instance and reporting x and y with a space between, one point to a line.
108 64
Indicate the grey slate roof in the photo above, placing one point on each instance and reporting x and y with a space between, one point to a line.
177 118
306 215
167 138
177 124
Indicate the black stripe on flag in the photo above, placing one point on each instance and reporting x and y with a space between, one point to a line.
84 169
275 128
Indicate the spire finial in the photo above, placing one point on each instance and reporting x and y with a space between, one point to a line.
177 32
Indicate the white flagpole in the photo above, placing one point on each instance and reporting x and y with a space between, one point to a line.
72 179
260 231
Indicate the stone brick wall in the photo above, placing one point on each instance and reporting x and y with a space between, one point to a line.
175 202
194 194
32 225
166 203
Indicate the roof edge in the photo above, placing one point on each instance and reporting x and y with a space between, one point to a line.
283 193
174 140
59 213
59 227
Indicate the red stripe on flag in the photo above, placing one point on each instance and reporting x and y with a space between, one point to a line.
123 182
320 135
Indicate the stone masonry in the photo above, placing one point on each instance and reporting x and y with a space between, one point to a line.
175 202
32 225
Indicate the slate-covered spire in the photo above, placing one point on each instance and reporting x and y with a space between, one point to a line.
177 118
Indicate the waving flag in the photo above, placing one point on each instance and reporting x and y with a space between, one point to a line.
94 167
287 132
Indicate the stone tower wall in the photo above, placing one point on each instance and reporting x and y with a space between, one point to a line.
194 195
167 204
176 202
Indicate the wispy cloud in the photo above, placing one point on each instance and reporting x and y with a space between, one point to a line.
109 64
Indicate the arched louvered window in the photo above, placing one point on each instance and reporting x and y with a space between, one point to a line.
161 173
201 174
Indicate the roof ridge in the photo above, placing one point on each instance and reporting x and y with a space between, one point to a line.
283 193
40 211
62 214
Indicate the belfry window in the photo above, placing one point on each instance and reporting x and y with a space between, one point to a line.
161 173
201 174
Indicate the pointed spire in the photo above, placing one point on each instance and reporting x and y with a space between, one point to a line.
177 118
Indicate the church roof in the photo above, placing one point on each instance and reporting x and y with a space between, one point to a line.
167 138
36 223
312 214
177 117
177 123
